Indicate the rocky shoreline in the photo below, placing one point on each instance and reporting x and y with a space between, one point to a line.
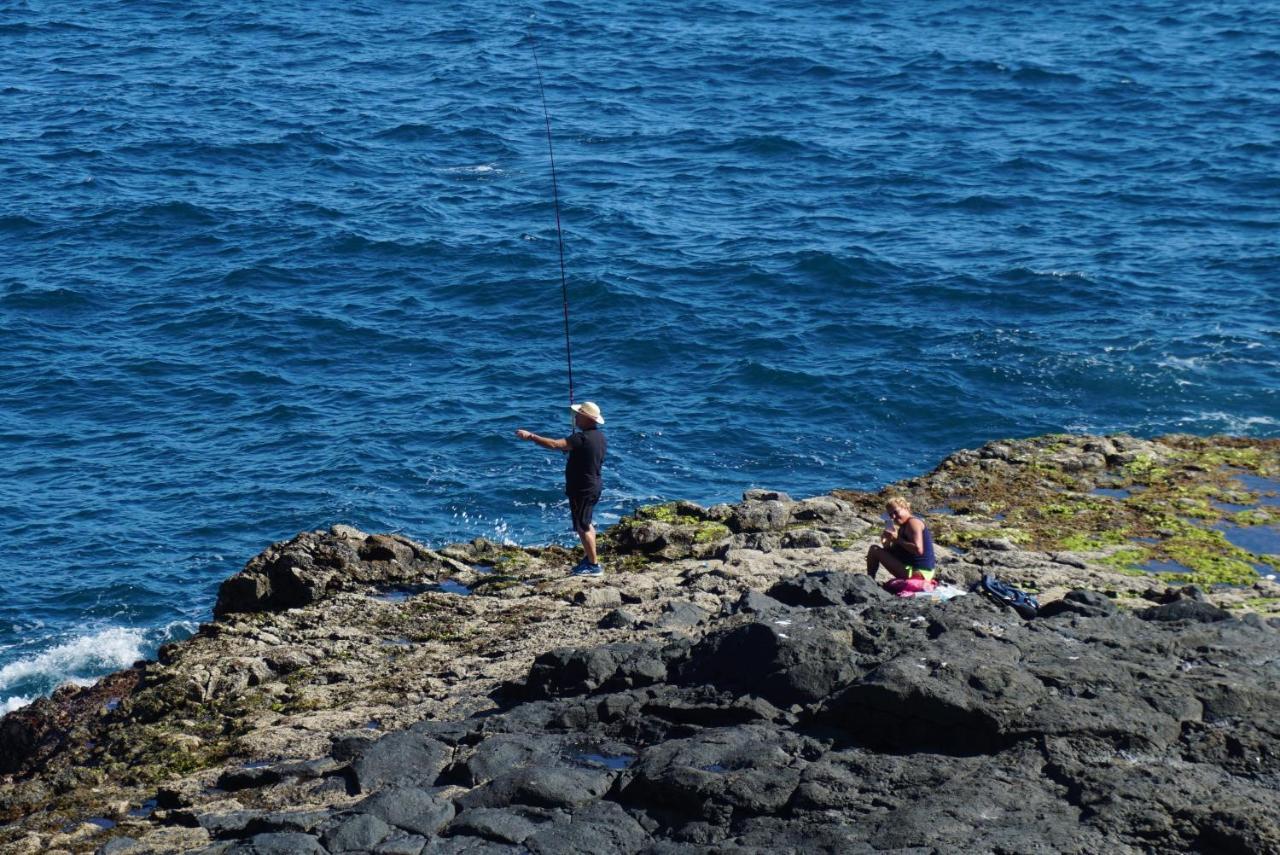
734 682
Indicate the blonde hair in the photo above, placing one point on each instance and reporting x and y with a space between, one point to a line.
898 502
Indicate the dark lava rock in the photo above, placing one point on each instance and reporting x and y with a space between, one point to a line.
411 808
828 588
895 725
612 667
1194 610
618 619
358 833
1080 603
751 769
501 753
541 786
279 844
784 663
599 827
224 825
681 616
500 825
756 603
251 776
399 759
401 844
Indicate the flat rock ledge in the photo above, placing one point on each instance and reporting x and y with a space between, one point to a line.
733 683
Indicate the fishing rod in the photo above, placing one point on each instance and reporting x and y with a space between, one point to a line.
555 196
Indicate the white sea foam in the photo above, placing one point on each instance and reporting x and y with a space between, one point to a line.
1190 363
1063 274
1230 422
8 705
101 652
479 169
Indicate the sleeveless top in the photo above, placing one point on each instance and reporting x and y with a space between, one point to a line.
927 561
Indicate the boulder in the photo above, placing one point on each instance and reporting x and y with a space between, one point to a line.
358 833
828 588
413 809
400 759
781 662
610 667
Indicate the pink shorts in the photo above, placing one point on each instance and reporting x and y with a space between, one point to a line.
910 587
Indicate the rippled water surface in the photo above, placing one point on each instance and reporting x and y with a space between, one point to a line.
269 267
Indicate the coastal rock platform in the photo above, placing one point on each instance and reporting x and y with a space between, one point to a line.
735 682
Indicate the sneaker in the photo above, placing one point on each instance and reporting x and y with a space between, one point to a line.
585 569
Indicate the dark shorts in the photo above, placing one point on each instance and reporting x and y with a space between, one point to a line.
582 506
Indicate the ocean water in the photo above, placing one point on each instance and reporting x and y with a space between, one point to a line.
269 267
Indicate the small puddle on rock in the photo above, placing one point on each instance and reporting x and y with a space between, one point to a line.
1268 489
1258 539
1113 492
145 810
401 593
616 762
1164 567
373 724
714 767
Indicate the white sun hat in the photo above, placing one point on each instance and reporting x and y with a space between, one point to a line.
590 410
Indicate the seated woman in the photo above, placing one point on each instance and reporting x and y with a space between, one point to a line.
906 546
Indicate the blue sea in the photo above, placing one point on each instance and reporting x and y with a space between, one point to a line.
270 267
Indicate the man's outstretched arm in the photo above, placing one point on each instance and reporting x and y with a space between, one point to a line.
544 441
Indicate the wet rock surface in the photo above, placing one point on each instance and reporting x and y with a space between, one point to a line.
733 683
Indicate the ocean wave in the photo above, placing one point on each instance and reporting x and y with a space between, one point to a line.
102 652
1232 423
16 223
981 203
769 145
1034 74
352 244
59 299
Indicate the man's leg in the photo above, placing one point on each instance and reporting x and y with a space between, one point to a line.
588 538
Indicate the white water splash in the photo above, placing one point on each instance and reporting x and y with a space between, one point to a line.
100 653
8 705
1230 422
479 169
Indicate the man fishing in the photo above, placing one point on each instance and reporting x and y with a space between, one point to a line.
582 483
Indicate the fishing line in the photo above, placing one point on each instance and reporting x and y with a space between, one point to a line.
555 196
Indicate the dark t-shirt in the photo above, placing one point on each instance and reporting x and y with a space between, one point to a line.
582 469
